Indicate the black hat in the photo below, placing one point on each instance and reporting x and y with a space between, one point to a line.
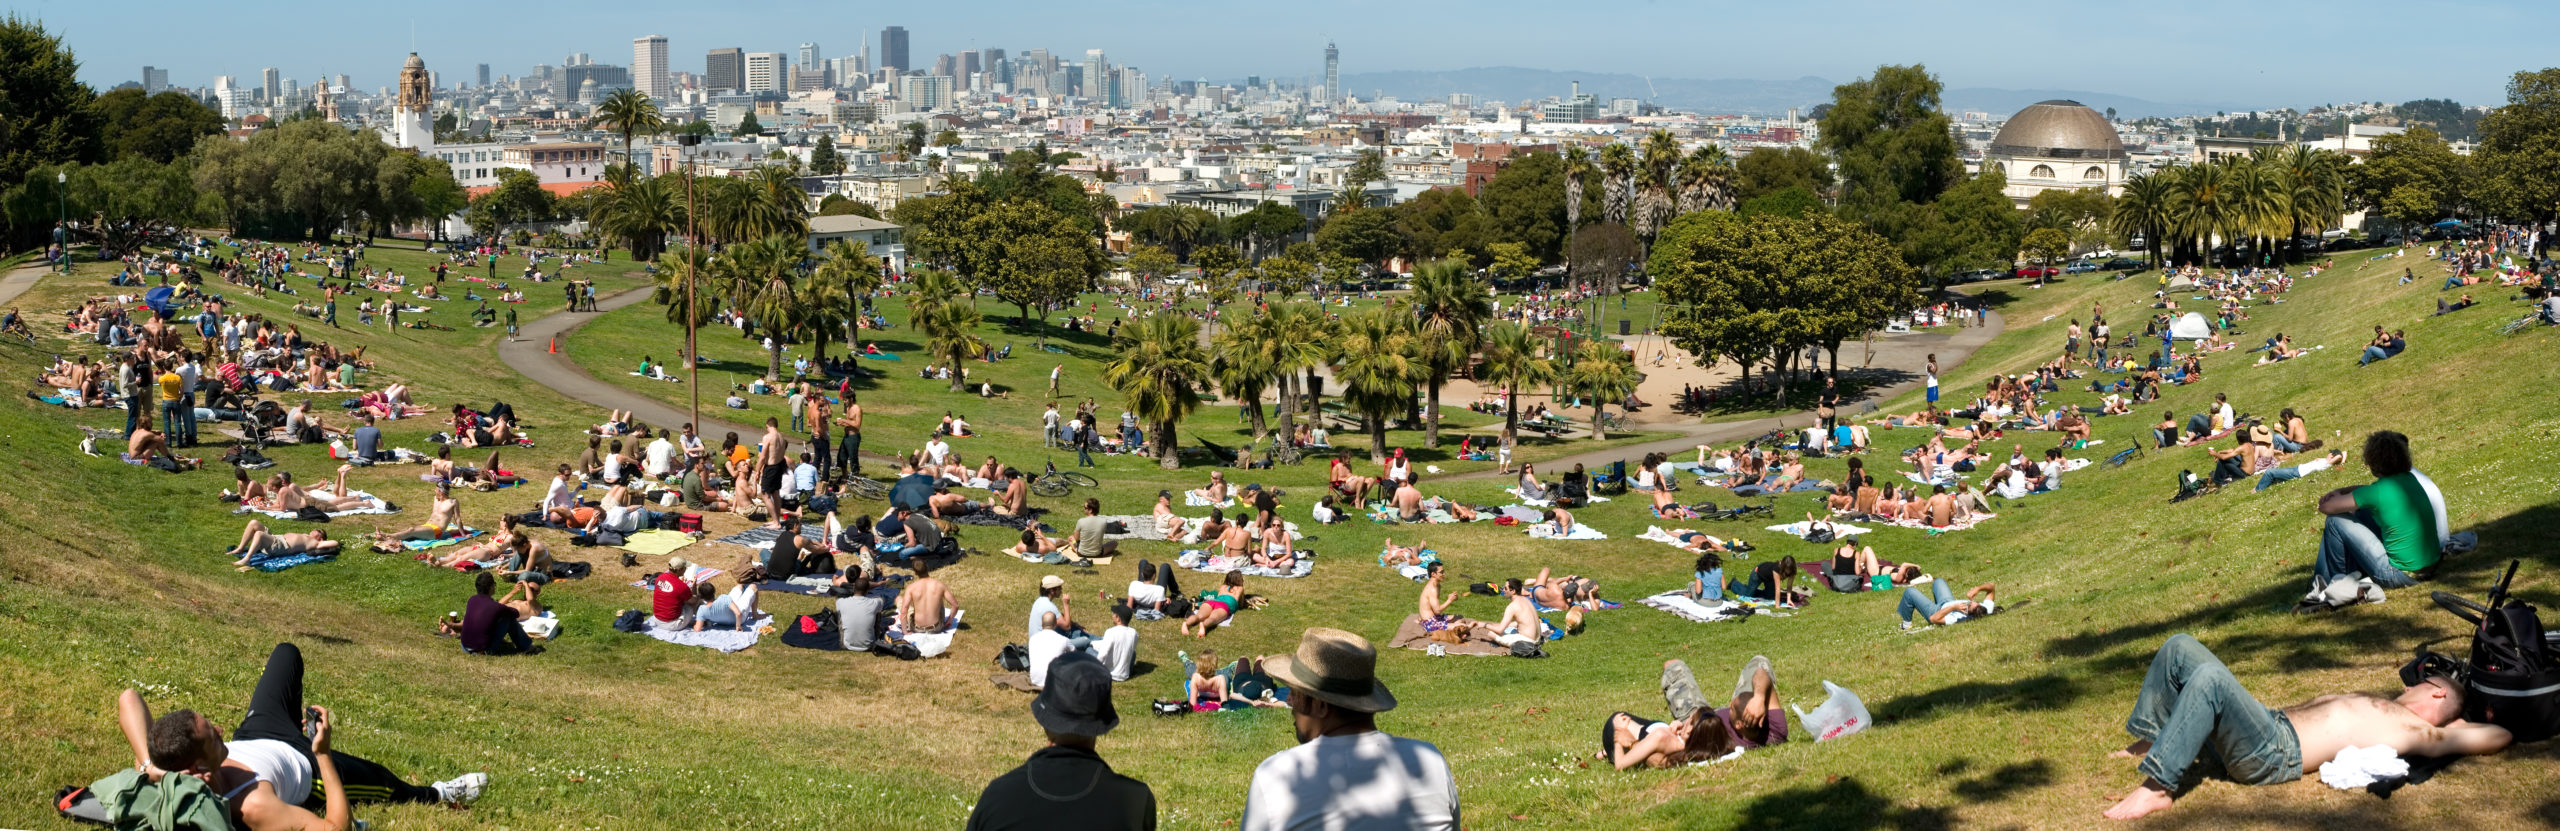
1077 699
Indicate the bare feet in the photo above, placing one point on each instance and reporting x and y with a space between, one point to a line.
2135 750
2143 801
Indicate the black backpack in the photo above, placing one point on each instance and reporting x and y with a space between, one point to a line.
1013 658
2513 677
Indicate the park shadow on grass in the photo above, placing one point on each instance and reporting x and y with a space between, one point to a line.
1844 803
2043 692
1999 784
2093 642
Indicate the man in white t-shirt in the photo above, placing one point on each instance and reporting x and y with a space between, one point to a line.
1046 645
1344 773
1049 426
937 451
661 457
1145 592
1118 646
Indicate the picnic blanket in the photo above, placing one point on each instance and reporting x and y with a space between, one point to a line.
1797 529
790 587
440 542
1672 537
1200 561
657 542
282 562
377 506
1194 500
1579 531
1140 526
1948 476
1411 635
761 537
723 640
1678 603
1549 503
1968 521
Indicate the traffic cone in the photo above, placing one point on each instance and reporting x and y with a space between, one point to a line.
555 344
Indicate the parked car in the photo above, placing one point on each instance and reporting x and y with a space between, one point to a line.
2039 271
2081 267
2099 254
2121 264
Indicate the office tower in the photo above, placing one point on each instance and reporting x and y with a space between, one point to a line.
648 66
483 75
808 56
580 59
270 84
992 62
969 68
724 70
893 48
1095 83
765 72
341 84
1332 75
154 79
945 65
927 93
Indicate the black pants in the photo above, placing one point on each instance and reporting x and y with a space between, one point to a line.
275 712
853 452
818 452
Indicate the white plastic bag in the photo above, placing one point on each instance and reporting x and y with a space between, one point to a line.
1840 715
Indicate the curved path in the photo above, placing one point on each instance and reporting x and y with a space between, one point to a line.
528 355
1952 348
19 281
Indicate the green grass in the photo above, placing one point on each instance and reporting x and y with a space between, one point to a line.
1997 724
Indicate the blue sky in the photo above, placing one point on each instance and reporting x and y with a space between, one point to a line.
2253 53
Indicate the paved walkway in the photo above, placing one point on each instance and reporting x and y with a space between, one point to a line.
19 281
529 355
1952 350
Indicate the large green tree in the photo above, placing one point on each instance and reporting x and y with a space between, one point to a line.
2412 177
1893 144
160 127
1380 364
2519 153
1158 368
1525 203
45 112
1022 251
1768 170
1450 305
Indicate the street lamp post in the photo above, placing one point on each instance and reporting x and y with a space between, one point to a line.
693 274
61 218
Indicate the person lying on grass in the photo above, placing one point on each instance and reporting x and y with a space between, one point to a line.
1697 732
257 543
266 772
1218 607
2193 717
734 609
1940 607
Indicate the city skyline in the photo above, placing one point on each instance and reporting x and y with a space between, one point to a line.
2229 61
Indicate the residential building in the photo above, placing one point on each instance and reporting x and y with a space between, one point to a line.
765 72
1477 163
725 70
270 86
648 66
885 240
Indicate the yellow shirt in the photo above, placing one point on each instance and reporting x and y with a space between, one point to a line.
171 388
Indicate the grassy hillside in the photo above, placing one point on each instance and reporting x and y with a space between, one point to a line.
114 581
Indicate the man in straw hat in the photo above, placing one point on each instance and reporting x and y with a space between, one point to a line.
1345 775
1066 786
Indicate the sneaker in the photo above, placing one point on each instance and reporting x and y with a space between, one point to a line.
1906 626
461 790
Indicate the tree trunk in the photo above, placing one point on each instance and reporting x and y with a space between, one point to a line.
1261 429
1166 455
1021 313
958 384
1288 407
1510 417
773 368
1312 396
1598 409
1377 437
1431 417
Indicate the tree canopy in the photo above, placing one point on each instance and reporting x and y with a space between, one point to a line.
162 127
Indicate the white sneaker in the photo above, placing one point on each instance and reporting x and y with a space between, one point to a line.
461 790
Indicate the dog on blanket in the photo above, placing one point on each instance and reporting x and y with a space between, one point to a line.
1457 633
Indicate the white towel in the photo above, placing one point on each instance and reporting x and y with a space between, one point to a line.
1578 532
2357 767
1679 603
1838 531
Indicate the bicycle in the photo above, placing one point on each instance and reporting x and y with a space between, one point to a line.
1056 483
1766 508
1611 421
2521 323
866 487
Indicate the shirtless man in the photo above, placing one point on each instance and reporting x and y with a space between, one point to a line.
1014 499
2192 708
1519 619
771 462
925 606
444 518
1434 605
266 771
1941 508
257 543
851 421
1408 502
528 564
145 443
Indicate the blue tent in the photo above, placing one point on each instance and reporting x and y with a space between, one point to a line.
2449 223
158 300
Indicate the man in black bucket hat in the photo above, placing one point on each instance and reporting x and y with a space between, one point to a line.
1066 786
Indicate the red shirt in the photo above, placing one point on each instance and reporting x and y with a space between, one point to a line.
667 595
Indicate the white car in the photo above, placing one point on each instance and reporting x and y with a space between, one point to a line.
2100 254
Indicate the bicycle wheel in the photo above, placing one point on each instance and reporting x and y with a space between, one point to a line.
866 488
1049 486
1079 480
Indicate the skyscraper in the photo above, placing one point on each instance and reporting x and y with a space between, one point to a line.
1332 75
270 84
765 72
725 70
648 66
484 77
927 93
1095 86
969 69
893 48
808 56
154 79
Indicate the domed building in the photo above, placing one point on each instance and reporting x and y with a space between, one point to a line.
2057 145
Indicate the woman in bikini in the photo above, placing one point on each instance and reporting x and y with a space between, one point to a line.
1275 553
258 544
1206 689
1236 541
1218 608
1628 740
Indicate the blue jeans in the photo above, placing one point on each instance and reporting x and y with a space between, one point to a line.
1084 454
797 417
1926 605
2372 354
2284 444
132 413
509 638
173 416
895 551
2281 474
2352 544
2200 721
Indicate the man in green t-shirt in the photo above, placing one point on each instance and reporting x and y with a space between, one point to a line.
2380 536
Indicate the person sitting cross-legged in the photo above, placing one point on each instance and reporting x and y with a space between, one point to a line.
2379 536
2193 720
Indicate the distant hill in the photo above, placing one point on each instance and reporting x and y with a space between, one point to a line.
1732 95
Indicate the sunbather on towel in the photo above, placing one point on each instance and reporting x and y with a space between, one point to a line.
444 518
1941 607
257 543
2192 710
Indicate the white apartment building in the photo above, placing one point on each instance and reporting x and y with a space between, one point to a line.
766 72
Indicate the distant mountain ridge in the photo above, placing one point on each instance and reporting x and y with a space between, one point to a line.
1732 95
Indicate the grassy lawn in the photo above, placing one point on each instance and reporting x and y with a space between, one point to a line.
2000 723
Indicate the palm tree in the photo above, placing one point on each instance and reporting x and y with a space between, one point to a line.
1577 167
779 205
2315 192
1243 367
1380 362
1450 306
1158 371
765 275
1304 338
844 280
2262 204
642 212
630 113
951 333
1513 357
2205 206
2146 209
673 274
1706 180
1601 372
935 286
1617 182
1654 202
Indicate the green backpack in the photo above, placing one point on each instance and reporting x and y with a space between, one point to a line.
175 803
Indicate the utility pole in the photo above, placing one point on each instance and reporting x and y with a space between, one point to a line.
692 275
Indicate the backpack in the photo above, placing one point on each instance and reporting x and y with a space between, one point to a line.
125 802
2513 677
1013 658
1821 534
1527 649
